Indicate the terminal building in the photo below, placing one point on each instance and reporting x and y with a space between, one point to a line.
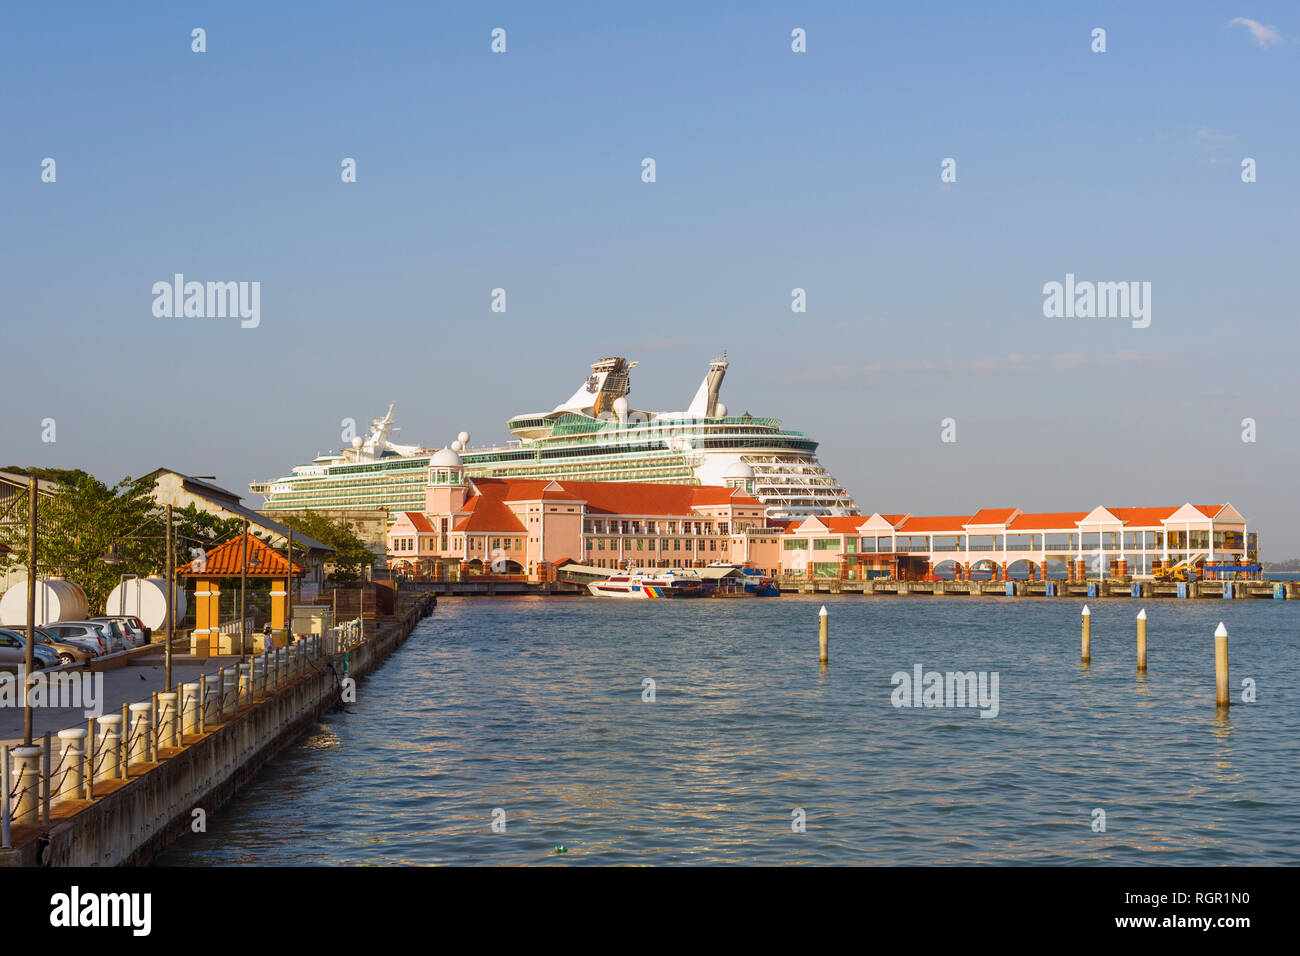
1103 542
528 526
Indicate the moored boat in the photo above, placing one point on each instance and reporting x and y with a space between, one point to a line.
639 586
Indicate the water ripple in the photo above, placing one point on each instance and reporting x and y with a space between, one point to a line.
535 707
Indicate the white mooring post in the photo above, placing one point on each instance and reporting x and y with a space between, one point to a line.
167 719
1142 641
1087 635
110 746
70 786
27 770
139 732
190 709
823 635
1221 665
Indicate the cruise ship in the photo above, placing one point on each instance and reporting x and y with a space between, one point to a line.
596 435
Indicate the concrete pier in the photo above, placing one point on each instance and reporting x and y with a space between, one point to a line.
133 816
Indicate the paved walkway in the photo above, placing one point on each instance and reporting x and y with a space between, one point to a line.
133 683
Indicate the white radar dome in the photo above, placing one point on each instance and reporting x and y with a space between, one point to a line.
358 441
456 446
446 458
620 408
721 410
463 438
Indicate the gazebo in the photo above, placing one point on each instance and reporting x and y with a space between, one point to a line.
226 561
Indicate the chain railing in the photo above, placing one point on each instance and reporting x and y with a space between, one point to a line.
31 786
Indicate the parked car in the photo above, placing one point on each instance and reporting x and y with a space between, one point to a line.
70 652
80 631
13 651
119 632
134 622
112 634
136 632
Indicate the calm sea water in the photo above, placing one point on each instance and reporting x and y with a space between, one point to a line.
535 706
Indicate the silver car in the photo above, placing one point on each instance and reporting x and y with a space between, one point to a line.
112 635
70 652
133 636
13 651
88 635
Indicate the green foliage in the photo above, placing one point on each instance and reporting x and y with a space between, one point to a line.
78 525
351 555
199 529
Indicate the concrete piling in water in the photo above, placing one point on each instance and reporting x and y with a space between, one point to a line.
1221 665
823 635
1087 635
71 758
1142 641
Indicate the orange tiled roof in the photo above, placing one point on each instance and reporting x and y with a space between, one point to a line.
488 512
1142 516
920 524
841 524
226 560
419 521
617 497
1046 519
992 516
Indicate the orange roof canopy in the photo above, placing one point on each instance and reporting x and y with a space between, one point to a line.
226 560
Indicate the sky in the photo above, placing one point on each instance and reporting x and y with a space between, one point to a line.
775 170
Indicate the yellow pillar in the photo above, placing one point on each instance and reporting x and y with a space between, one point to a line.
279 604
207 616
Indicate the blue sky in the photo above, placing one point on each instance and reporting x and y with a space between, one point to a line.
775 170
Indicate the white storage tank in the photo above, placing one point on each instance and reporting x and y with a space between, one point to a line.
146 598
57 599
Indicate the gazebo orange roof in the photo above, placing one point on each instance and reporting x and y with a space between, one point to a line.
226 560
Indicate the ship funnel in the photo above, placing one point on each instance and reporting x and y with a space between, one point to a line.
705 402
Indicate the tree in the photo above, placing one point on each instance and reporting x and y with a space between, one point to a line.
80 523
351 553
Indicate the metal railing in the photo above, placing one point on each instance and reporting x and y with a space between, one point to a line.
32 781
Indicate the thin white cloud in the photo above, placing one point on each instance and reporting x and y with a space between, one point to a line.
986 365
1264 36
1207 135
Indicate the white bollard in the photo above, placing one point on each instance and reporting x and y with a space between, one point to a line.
246 683
27 783
168 719
109 747
71 757
190 709
229 693
211 697
138 734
